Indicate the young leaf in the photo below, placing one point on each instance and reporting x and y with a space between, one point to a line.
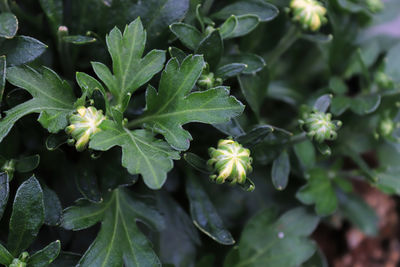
52 98
280 171
5 256
172 106
141 152
130 70
319 191
254 62
245 24
228 27
27 216
187 34
4 192
45 256
266 241
8 25
229 70
21 49
120 240
79 39
204 214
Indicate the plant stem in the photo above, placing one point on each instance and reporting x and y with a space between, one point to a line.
287 40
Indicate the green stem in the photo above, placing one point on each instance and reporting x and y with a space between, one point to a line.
287 40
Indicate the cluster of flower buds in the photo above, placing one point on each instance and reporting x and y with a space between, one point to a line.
20 261
231 161
207 81
388 125
309 13
319 126
83 124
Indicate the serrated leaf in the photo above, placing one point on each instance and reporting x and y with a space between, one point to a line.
21 49
130 70
280 171
52 98
187 34
267 241
141 152
8 25
172 106
319 191
4 192
5 256
27 216
120 242
262 9
45 256
204 214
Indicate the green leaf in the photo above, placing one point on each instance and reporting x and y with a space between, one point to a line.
66 259
172 106
4 192
358 212
120 242
8 25
3 71
323 102
45 256
52 207
255 135
262 9
392 68
280 171
79 39
83 215
141 152
337 85
54 13
319 191
52 98
27 216
198 163
27 164
305 153
187 34
228 27
267 241
21 49
5 256
254 88
245 24
229 70
340 104
177 53
130 70
212 47
254 63
204 214
86 182
365 104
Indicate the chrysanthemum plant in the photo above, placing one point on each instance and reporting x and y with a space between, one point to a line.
191 133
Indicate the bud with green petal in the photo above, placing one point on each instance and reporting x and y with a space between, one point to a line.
207 81
9 167
20 261
319 126
231 161
83 124
309 13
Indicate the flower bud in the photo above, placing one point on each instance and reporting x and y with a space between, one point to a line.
207 81
309 13
319 126
374 5
20 261
383 80
231 161
83 124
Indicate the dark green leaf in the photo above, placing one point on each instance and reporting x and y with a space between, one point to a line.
280 171
322 103
141 152
66 259
340 104
212 47
52 98
204 214
231 128
319 191
197 162
248 185
337 85
173 105
177 53
317 260
3 71
27 164
187 34
392 68
245 24
228 27
54 12
262 9
79 39
120 240
255 136
365 104
8 25
21 50
54 141
254 63
305 153
27 216
254 88
86 182
229 70
83 215
317 38
52 207
47 255
4 192
5 256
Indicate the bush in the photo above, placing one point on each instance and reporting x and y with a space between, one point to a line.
192 133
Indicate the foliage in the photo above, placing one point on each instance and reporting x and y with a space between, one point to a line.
131 95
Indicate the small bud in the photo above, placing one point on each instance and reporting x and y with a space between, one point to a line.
374 5
9 167
383 81
231 161
319 126
83 124
207 80
309 13
21 260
